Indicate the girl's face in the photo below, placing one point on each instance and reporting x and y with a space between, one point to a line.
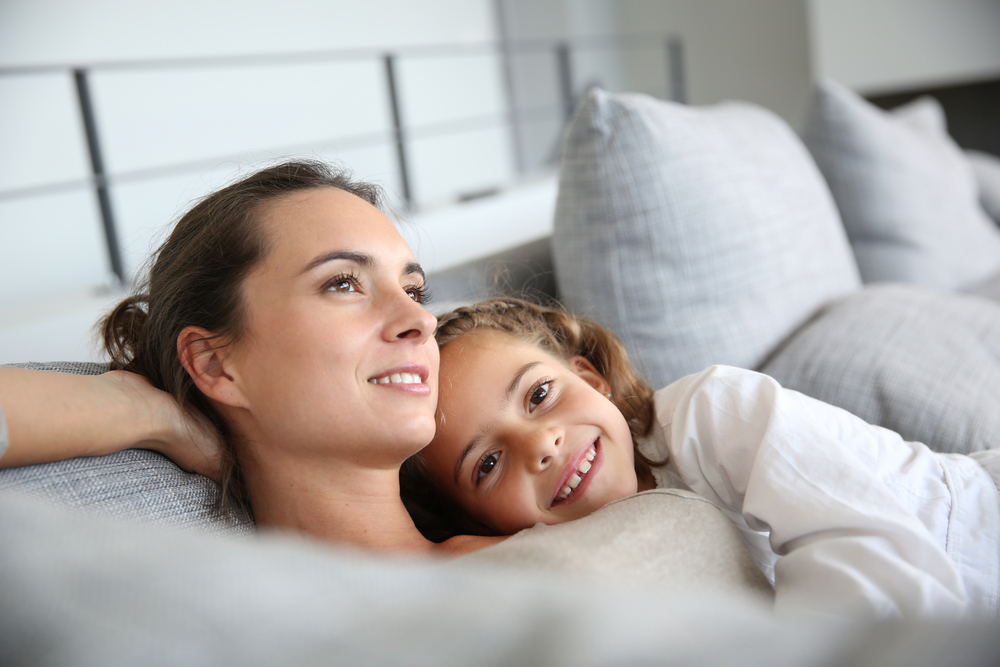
524 437
339 356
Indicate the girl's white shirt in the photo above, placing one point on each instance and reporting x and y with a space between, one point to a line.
839 514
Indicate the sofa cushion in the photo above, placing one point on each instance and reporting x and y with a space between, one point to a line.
664 537
698 235
922 362
134 484
906 193
986 170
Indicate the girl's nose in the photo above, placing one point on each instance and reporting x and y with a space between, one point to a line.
541 447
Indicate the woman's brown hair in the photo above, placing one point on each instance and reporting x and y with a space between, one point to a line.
196 279
558 332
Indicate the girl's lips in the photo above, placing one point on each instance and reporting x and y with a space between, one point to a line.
572 467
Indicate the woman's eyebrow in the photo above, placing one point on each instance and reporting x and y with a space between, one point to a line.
412 268
362 259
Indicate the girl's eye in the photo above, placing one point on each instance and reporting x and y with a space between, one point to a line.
343 284
486 465
538 395
418 293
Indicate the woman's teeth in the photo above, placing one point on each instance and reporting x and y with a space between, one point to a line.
577 477
397 378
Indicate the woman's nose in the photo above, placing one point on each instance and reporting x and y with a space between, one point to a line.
409 320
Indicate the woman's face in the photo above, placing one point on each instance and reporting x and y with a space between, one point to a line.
339 357
524 437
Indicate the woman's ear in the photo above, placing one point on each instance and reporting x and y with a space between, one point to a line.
207 365
583 368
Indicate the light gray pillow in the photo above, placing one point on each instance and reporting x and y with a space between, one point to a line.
134 484
906 193
986 169
698 235
922 362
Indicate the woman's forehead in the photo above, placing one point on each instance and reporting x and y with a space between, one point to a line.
309 222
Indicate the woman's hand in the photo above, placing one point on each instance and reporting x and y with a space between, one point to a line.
56 416
188 439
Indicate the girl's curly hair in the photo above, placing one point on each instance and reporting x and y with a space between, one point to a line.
558 332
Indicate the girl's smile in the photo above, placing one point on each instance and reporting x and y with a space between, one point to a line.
576 476
524 437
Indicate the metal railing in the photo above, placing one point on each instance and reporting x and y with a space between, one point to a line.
562 51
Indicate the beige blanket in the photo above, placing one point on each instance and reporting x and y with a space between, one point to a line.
666 537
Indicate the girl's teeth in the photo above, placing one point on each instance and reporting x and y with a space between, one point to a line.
576 478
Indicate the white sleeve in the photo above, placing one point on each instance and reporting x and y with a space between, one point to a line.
817 479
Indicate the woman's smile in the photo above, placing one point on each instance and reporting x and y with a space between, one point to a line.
408 378
339 342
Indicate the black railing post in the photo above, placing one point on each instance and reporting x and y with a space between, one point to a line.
100 179
565 79
676 85
397 123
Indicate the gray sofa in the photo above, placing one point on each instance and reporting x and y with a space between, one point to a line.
699 236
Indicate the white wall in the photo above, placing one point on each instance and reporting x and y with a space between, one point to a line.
754 50
884 46
171 132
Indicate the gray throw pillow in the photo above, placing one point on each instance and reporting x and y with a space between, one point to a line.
922 362
906 193
986 169
698 235
134 484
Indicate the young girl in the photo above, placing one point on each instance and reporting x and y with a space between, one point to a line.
542 419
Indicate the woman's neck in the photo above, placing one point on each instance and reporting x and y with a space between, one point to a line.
341 503
338 502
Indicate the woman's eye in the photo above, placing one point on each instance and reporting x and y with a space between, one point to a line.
418 293
343 284
538 395
486 466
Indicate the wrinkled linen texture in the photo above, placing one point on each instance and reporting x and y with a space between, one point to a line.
839 513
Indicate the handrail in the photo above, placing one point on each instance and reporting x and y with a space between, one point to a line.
561 49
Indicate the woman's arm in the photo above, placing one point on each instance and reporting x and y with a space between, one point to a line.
54 416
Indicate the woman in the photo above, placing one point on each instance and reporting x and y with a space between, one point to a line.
285 310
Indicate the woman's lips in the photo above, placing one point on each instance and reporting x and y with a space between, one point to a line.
409 378
577 474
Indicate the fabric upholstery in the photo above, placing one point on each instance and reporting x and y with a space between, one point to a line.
135 484
986 169
698 235
905 191
85 591
664 537
990 288
922 362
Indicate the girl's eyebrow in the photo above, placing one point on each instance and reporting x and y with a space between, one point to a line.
464 455
512 387
507 396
